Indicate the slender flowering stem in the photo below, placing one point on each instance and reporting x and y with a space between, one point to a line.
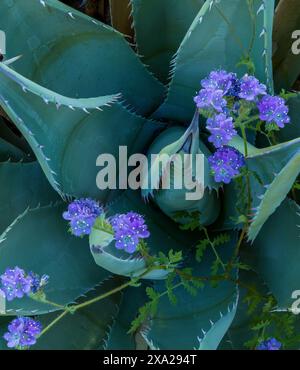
116 290
247 175
199 278
167 291
73 309
245 140
102 228
253 21
216 278
232 30
243 129
272 138
102 296
242 125
252 119
243 234
157 298
46 301
214 249
245 228
55 321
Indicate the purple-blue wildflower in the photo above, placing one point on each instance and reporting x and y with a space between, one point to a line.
271 344
38 282
274 109
235 88
22 333
251 88
221 128
15 283
210 99
226 163
219 80
82 214
128 229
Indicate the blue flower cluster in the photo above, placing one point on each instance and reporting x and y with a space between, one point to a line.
221 128
22 333
220 88
129 228
82 214
274 109
15 283
271 344
226 164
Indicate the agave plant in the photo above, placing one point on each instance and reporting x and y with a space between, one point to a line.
216 272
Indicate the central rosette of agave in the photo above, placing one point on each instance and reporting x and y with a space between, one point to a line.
179 179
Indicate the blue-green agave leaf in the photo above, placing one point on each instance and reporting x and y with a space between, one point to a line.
218 37
277 168
277 253
239 332
23 185
132 300
159 28
4 321
285 60
292 130
59 130
11 137
77 56
215 334
275 194
9 152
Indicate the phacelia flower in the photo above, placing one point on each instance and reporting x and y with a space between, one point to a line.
273 109
82 214
219 80
226 163
22 333
235 88
271 344
128 229
15 283
250 88
210 98
221 128
38 282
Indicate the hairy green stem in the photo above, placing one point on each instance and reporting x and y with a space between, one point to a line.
252 119
245 140
46 301
102 296
63 314
253 20
214 249
73 309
